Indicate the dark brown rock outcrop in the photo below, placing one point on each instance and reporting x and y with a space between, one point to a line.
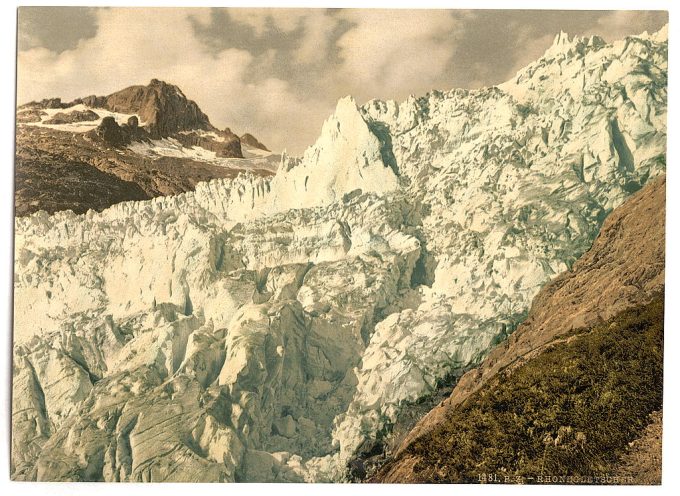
48 163
226 145
74 116
53 185
162 107
112 133
30 115
46 103
119 135
623 269
92 101
164 112
231 145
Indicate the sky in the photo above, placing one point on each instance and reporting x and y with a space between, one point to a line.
278 73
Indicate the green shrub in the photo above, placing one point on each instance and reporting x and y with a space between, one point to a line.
572 410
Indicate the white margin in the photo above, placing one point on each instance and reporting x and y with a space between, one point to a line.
671 439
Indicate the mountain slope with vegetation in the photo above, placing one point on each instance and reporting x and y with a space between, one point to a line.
588 359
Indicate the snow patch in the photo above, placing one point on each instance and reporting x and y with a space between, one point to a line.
170 147
80 127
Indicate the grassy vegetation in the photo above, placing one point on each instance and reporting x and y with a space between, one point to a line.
572 410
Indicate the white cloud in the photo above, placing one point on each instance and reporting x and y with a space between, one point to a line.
132 46
385 54
261 19
382 54
617 24
315 43
396 52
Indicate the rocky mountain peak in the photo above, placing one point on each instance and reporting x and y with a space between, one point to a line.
161 110
251 140
161 106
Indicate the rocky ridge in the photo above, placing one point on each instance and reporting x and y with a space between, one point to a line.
251 140
121 139
161 109
266 329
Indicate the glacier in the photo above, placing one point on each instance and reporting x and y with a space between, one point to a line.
265 329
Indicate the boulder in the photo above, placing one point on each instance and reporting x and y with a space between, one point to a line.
112 133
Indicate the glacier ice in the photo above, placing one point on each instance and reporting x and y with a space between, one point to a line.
263 329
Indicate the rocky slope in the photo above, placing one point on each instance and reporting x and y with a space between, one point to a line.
566 416
270 328
642 461
624 269
122 141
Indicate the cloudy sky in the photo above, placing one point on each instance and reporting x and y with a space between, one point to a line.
277 73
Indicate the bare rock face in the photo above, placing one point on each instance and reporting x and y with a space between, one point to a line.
71 117
60 182
623 269
58 170
144 141
642 462
30 115
46 103
92 101
251 140
225 143
161 106
112 133
231 146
